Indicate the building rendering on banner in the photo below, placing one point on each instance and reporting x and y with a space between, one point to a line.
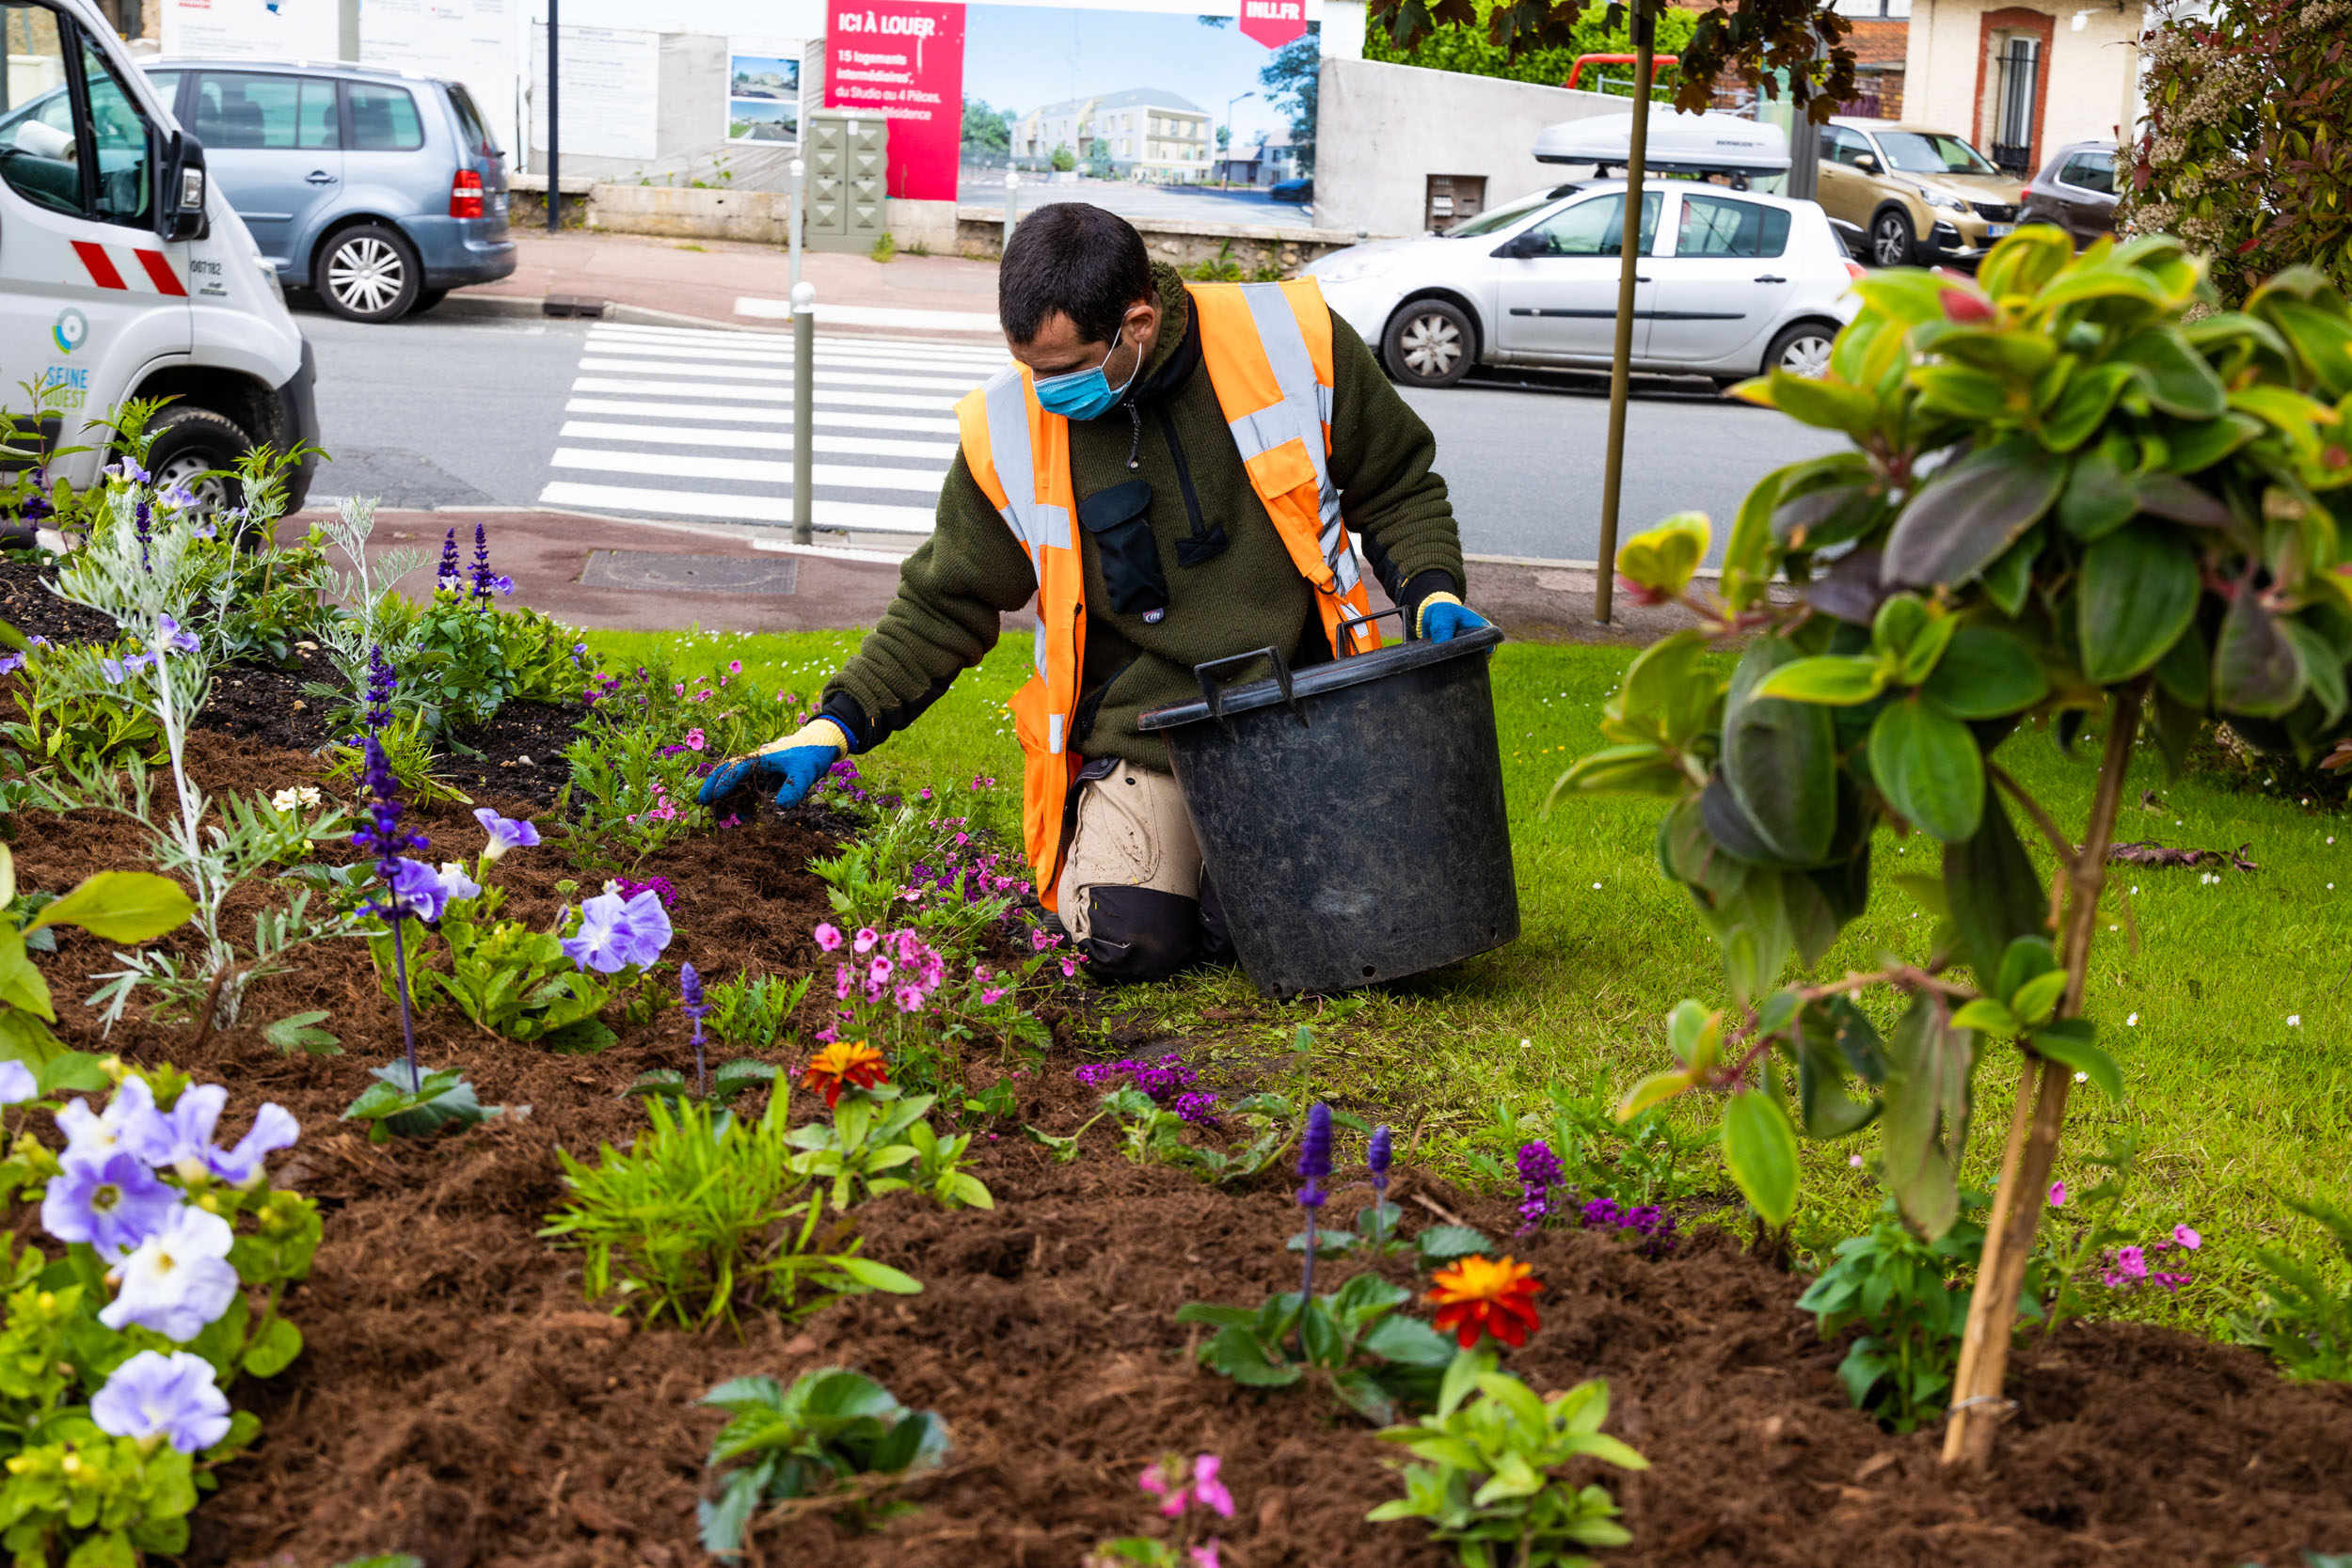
1142 134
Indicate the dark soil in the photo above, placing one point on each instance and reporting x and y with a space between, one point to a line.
460 1400
34 610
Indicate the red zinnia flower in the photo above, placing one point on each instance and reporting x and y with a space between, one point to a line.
844 1064
1478 1296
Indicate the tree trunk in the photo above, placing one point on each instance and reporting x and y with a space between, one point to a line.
1978 1405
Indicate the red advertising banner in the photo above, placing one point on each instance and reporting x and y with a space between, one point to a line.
1273 22
903 59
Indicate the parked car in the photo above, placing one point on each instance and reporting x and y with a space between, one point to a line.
126 274
2075 190
1906 195
379 190
1742 283
1299 191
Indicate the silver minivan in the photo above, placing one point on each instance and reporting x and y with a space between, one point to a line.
378 190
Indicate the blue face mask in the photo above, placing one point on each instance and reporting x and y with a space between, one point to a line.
1085 394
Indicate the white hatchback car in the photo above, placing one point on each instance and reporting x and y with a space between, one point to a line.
1742 282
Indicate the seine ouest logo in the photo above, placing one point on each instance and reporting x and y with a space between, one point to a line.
72 331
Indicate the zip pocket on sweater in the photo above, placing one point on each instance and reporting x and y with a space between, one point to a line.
1119 520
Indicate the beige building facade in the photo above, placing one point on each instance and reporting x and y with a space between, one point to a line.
2021 81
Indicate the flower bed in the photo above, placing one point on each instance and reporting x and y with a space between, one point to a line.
461 1399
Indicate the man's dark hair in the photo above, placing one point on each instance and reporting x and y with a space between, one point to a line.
1088 264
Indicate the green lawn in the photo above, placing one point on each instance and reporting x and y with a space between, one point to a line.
2230 1020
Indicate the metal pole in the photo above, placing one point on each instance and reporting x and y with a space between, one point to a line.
803 408
1637 152
798 172
1012 206
555 199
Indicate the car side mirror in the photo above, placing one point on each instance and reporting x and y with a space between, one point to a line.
180 195
1522 246
1866 163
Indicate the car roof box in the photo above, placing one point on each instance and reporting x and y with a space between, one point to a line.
1678 144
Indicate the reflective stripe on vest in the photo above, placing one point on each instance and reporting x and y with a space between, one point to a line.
1267 351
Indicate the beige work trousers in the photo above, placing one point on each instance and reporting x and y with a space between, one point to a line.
1131 831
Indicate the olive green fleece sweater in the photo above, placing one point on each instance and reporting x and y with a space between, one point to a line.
1250 596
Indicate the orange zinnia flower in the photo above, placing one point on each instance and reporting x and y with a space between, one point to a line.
844 1064
1477 1296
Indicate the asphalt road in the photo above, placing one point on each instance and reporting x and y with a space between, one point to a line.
456 412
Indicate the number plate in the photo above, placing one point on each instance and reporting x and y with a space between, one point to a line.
1994 230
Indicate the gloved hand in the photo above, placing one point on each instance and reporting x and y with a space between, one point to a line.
791 764
1444 617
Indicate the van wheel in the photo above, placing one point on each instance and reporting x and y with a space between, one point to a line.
368 273
195 448
1428 343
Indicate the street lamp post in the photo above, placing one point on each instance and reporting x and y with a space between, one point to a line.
1225 165
555 199
1637 152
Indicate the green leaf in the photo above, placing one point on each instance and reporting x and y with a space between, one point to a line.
2072 1049
1926 1114
1779 759
1994 893
879 1276
1927 764
1441 1244
299 1032
2084 405
275 1350
2175 376
1661 559
2139 594
1986 674
2025 957
1652 1091
1972 510
21 984
2185 670
1829 404
2099 498
2323 666
1830 679
74 1072
2256 669
1760 1148
121 906
2036 998
1988 1017
1827 1110
581 1038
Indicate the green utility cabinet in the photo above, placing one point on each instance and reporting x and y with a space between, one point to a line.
847 154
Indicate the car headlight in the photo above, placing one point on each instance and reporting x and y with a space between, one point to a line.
1340 268
1938 198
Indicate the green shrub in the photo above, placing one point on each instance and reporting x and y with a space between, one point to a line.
2306 1316
834 1432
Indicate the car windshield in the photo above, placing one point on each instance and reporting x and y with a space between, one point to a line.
1503 216
1932 152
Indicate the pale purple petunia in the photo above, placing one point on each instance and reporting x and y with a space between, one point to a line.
506 832
173 1398
113 1203
614 934
181 1138
17 1083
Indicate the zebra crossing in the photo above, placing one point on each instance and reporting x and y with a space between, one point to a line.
698 422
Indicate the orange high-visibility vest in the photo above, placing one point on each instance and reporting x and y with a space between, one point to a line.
1268 349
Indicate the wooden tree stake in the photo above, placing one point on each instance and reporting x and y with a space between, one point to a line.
1978 1405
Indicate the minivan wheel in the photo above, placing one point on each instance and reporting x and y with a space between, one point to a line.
195 448
1429 343
368 273
1891 240
1800 350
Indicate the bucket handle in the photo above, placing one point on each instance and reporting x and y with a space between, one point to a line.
1349 624
1213 694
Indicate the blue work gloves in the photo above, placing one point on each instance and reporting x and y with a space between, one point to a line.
791 764
1443 618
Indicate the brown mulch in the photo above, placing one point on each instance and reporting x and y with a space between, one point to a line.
458 1397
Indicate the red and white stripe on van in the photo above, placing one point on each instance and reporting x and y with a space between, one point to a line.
153 266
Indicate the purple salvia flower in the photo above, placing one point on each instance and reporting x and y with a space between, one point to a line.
446 579
1539 1172
382 683
1377 1155
382 833
1315 1167
1196 1108
143 525
484 583
690 1003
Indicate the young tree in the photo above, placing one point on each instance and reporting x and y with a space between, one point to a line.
987 130
1469 48
1756 40
2067 505
1292 79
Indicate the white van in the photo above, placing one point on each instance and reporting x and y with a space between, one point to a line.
124 274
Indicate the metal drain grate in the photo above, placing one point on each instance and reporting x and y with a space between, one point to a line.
658 572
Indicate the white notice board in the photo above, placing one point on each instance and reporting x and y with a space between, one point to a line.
253 29
472 41
611 80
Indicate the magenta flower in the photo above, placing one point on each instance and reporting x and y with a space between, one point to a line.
828 937
695 740
2131 1262
1210 1490
2184 1237
910 999
735 667
2058 1195
865 940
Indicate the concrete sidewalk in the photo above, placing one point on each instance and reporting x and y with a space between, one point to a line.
714 279
632 576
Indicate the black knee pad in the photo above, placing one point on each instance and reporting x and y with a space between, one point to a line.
1140 933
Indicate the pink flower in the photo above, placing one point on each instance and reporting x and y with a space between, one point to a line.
828 936
735 667
695 740
730 822
1210 1490
1070 968
910 999
1040 941
2131 1262
1205 1556
924 794
878 970
2184 1237
907 945
993 996
842 982
678 691
702 696
867 937
1172 1499
2058 1195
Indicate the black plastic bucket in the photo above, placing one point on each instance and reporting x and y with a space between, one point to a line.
1351 814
